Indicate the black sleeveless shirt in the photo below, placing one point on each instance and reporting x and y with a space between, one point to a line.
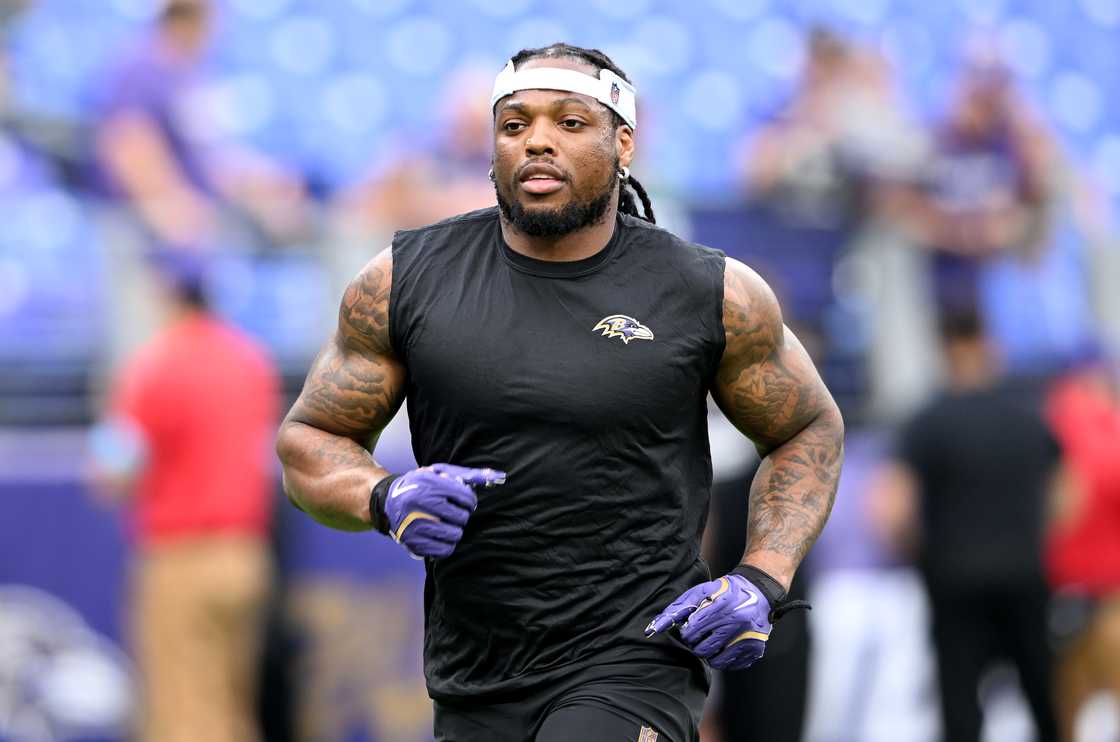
586 381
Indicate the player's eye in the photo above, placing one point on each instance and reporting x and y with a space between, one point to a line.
513 126
572 124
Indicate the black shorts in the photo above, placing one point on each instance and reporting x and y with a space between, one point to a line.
622 702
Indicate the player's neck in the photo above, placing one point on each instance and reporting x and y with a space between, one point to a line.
177 313
972 366
973 378
577 245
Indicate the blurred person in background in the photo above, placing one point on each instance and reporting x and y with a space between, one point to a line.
170 178
808 175
871 675
158 150
430 178
966 498
842 129
491 326
1083 549
985 189
184 444
439 178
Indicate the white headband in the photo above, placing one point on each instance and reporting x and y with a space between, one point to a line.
608 88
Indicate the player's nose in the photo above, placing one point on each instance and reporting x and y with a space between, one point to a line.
538 140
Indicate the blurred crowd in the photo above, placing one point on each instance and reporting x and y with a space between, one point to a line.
965 330
956 280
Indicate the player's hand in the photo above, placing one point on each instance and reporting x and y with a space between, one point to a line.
727 621
425 509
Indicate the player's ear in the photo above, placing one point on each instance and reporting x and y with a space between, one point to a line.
624 144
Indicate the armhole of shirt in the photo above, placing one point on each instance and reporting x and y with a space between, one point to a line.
721 287
396 287
719 341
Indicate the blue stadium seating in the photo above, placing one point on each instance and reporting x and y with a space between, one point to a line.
333 87
405 47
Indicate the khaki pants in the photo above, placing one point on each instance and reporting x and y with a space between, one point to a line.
1089 665
197 618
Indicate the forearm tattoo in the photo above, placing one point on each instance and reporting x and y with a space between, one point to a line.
793 492
768 387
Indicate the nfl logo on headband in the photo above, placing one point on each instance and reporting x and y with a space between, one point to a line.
608 88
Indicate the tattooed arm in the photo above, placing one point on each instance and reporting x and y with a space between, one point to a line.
352 391
768 387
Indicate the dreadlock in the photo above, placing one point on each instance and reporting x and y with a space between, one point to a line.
599 60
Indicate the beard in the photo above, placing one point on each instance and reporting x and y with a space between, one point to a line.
562 220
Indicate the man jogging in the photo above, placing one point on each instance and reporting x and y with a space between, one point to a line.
563 347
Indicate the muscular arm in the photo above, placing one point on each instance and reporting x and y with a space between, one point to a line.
352 392
768 387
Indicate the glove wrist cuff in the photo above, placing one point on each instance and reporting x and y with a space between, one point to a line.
377 517
772 591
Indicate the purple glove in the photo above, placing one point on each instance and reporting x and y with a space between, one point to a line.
725 621
425 509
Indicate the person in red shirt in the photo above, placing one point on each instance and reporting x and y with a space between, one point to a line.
1083 550
187 439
